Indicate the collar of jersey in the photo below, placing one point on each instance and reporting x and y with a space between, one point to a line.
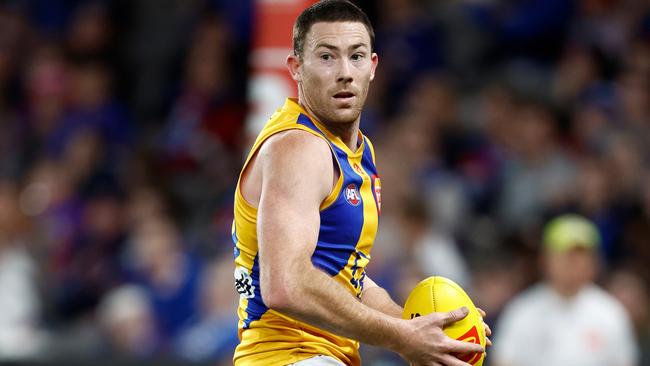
292 105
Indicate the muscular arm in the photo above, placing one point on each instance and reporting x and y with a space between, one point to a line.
377 298
297 175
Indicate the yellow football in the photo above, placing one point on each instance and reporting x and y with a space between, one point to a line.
440 294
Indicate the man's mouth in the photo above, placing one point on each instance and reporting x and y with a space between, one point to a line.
345 96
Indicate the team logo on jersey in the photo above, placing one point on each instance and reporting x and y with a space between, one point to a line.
244 283
472 337
377 184
358 272
352 195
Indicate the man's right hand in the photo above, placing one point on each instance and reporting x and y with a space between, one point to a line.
425 344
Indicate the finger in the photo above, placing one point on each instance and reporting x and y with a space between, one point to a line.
488 331
453 316
483 315
455 346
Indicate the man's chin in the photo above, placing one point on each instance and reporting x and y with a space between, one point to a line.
345 115
345 118
337 115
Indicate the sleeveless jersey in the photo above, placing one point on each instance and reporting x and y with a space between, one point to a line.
348 224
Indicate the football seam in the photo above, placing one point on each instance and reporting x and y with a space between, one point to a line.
433 294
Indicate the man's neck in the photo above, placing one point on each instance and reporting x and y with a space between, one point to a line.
347 132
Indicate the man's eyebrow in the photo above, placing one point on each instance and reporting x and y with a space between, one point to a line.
358 45
335 48
326 45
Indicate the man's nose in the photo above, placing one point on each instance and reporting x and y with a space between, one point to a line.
345 71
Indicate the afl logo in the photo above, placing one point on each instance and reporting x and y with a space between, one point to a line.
352 195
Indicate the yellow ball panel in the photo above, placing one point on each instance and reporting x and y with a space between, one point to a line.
440 294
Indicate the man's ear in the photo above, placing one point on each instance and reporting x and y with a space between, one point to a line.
375 60
293 64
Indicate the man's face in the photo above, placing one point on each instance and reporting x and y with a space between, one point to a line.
569 271
335 70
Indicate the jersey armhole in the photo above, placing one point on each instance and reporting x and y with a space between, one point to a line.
331 198
238 192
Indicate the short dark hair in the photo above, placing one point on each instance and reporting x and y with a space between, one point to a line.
328 11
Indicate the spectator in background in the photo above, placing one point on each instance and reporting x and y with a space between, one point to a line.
89 32
605 26
634 246
169 275
90 265
78 207
403 28
629 288
93 107
591 125
145 201
127 323
433 251
212 333
566 320
13 132
536 174
529 29
204 122
20 303
592 192
45 82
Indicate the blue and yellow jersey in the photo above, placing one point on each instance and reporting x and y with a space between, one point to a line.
348 224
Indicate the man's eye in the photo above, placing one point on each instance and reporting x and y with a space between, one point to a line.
357 57
326 56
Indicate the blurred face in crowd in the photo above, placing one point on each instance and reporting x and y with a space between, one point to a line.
536 131
568 271
156 244
334 71
9 212
90 85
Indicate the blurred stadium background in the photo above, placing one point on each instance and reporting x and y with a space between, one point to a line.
123 125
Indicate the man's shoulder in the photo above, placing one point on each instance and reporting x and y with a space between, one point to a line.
524 312
299 157
295 168
294 141
602 301
287 129
528 301
534 293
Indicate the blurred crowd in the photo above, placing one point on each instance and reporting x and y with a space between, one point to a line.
119 148
122 134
